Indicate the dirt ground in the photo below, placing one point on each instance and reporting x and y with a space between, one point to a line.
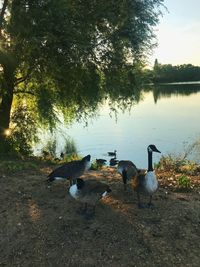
40 225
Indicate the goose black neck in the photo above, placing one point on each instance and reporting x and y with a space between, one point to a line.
124 176
150 164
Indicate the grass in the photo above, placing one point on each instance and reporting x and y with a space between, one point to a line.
184 182
178 173
50 151
95 166
182 163
178 165
70 147
10 166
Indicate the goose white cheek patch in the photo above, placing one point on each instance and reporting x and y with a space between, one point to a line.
104 194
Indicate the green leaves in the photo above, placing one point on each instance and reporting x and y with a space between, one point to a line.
71 55
184 182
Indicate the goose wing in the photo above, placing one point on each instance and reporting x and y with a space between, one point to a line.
95 187
129 167
70 169
139 180
92 191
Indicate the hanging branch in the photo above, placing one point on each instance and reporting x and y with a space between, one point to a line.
24 92
3 10
21 79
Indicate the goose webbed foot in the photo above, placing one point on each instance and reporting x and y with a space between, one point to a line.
150 205
89 215
125 187
141 206
82 210
86 213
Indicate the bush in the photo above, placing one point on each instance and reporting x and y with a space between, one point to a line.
69 152
170 162
70 147
23 131
179 165
184 182
49 150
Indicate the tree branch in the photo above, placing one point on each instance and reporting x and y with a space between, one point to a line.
24 92
21 79
24 78
3 10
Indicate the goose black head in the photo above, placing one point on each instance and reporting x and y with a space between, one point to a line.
80 183
86 158
153 148
108 190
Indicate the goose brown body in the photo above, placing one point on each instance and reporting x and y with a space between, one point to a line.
128 171
143 182
71 170
89 192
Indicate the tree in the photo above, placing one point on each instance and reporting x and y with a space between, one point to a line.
180 73
66 56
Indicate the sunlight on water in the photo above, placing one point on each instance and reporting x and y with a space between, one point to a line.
170 123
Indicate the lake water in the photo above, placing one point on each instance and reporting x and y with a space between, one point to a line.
167 117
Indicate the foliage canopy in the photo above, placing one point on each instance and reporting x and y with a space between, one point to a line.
67 56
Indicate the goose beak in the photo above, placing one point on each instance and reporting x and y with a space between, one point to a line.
156 150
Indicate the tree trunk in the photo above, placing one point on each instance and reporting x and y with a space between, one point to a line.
2 13
6 105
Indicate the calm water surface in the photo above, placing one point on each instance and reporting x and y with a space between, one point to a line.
171 122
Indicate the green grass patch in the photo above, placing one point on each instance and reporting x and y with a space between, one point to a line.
8 166
184 182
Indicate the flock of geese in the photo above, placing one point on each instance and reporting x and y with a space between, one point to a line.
90 191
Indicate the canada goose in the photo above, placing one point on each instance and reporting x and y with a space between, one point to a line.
88 192
112 153
62 155
70 170
101 162
113 161
146 182
128 171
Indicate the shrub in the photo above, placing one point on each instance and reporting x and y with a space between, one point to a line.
184 182
70 147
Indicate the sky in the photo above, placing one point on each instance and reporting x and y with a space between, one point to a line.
178 34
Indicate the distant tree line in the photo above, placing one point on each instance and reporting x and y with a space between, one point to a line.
168 73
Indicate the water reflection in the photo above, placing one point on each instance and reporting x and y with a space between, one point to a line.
169 90
167 116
